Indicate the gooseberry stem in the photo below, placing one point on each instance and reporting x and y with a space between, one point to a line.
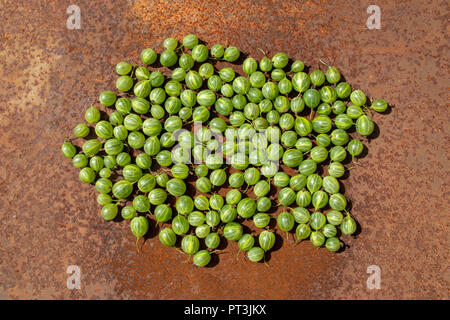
137 248
267 265
321 61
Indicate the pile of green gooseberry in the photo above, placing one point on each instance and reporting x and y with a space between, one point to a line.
178 116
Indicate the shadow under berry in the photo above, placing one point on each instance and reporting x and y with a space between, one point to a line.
277 246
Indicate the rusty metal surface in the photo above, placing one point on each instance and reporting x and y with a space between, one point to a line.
399 191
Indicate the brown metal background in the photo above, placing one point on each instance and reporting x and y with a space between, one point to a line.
399 191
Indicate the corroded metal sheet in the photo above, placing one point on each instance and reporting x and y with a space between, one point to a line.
49 220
